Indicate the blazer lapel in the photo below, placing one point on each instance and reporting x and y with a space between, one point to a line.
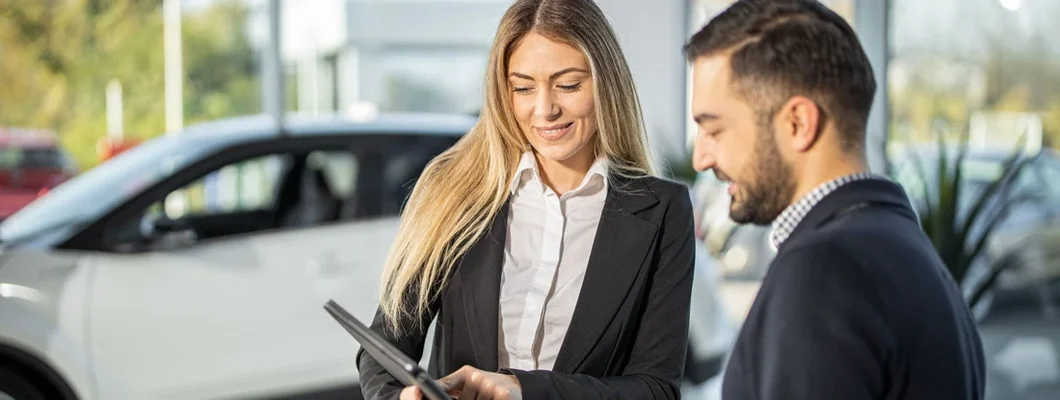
616 259
480 278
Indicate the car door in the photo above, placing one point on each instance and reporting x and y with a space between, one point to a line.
224 301
352 253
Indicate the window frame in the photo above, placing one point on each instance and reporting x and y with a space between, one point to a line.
96 236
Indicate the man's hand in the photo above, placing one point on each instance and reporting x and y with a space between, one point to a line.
472 383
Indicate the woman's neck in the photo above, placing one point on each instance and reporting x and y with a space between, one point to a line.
564 176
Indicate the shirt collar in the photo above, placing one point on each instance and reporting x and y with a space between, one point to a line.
527 170
786 222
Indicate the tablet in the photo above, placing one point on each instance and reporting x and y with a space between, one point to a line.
407 371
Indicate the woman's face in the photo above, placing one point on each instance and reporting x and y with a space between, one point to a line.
552 95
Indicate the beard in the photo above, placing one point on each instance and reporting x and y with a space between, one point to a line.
768 189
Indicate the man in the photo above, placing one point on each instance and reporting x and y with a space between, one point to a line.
856 304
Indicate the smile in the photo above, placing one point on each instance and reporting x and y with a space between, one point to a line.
554 132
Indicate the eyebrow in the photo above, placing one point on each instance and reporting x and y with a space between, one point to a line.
705 117
550 77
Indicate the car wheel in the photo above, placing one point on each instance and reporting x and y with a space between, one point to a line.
14 386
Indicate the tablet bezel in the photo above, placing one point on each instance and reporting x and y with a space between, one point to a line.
397 363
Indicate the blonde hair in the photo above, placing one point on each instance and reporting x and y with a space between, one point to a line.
461 191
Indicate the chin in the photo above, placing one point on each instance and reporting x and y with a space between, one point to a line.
555 152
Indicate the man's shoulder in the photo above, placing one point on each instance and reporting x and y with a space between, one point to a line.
860 238
816 251
820 272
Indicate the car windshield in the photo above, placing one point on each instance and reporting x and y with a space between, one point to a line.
93 193
12 158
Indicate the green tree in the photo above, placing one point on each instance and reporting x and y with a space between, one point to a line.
59 55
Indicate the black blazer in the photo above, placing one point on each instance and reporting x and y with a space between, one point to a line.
629 332
858 305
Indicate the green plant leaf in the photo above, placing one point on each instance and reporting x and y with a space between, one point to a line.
996 194
1010 259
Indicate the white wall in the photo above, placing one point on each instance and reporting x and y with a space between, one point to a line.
652 34
423 23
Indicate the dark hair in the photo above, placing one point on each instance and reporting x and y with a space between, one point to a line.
783 48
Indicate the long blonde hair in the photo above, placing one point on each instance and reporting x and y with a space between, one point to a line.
461 191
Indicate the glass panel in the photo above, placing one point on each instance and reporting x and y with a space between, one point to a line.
93 70
339 169
986 66
246 186
703 10
991 69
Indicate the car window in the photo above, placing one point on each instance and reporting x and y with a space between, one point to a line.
244 186
401 168
339 169
32 158
274 191
88 196
1039 182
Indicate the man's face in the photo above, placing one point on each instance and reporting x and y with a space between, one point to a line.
740 148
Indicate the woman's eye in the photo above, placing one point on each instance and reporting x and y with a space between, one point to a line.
570 88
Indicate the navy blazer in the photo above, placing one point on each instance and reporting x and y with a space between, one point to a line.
629 332
858 305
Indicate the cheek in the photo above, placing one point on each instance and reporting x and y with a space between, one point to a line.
737 154
579 105
523 106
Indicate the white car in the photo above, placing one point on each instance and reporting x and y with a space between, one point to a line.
196 266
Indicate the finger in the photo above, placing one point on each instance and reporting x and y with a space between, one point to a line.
411 393
487 390
473 386
469 392
455 381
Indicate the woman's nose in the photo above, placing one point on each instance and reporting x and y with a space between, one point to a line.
545 107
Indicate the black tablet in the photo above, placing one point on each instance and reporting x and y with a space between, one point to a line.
396 363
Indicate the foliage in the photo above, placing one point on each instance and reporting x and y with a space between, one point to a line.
960 222
58 56
680 168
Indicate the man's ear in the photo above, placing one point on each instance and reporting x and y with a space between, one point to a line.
799 119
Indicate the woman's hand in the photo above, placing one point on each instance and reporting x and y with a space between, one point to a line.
472 383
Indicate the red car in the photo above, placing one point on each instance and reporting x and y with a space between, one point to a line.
31 163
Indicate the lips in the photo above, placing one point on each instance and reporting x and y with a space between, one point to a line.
553 132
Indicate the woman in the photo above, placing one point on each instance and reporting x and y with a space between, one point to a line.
555 264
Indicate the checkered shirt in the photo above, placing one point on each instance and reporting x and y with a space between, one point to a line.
791 216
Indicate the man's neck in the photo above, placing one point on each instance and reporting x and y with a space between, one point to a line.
827 169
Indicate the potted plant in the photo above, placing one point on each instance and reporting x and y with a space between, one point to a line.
958 217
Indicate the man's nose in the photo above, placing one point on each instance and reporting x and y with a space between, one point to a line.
702 155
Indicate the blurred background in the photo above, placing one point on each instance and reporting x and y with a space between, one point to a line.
183 183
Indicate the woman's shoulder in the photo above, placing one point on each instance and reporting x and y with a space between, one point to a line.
663 189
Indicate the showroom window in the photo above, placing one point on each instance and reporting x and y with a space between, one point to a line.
703 10
988 66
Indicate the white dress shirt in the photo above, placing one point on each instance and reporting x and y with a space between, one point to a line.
548 244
